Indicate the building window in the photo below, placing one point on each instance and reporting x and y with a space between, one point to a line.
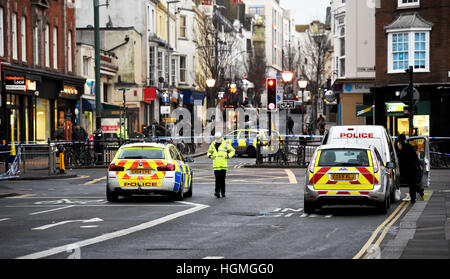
256 10
2 44
86 66
152 66
408 49
166 69
69 51
182 26
182 69
419 50
173 71
47 46
36 45
408 3
400 47
160 65
55 47
23 38
14 36
105 92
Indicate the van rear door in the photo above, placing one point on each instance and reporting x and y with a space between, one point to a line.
422 147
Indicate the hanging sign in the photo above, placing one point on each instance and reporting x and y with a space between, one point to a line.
15 83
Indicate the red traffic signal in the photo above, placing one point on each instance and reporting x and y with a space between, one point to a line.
271 94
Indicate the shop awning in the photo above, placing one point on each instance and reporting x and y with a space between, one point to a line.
88 105
191 97
110 107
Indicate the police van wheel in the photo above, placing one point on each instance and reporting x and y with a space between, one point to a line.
251 152
384 206
111 196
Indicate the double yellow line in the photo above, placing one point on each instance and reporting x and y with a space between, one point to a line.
386 225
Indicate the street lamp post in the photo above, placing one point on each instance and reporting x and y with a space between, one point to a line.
210 83
302 84
287 78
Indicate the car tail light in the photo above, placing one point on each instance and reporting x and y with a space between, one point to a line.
168 167
313 162
375 163
114 167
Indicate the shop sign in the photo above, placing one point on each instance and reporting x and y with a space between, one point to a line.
357 87
110 125
31 85
15 83
165 109
69 90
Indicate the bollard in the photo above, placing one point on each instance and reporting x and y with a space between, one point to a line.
62 166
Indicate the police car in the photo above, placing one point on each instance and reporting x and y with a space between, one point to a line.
146 168
244 141
348 174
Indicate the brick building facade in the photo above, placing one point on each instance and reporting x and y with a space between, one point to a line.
413 33
37 54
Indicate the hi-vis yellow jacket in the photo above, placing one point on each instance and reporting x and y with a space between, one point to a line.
225 152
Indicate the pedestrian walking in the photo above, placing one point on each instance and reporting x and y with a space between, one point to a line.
290 126
410 166
321 124
220 151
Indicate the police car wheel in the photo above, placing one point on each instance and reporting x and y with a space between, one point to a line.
309 207
189 192
111 196
180 195
251 152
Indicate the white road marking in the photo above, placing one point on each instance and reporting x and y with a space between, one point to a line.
66 222
213 258
291 176
22 196
109 236
304 215
50 210
4 219
95 180
88 227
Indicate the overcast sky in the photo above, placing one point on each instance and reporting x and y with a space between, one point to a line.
307 10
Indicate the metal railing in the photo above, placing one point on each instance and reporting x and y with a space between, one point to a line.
291 150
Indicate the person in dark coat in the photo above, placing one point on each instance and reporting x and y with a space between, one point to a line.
410 166
290 126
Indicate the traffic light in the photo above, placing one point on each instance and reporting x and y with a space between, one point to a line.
271 94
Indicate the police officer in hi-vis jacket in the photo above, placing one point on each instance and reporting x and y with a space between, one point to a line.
220 151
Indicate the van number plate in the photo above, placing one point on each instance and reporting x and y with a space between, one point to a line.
343 176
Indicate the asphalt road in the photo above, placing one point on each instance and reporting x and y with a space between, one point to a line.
261 218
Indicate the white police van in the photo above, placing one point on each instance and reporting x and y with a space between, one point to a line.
379 137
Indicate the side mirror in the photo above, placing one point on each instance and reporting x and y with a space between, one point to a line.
189 160
390 165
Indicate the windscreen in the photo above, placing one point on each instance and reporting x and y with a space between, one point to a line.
344 157
142 153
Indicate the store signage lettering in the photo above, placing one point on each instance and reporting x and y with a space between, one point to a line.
69 90
31 85
15 83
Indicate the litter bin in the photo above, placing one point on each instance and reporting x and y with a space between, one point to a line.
99 145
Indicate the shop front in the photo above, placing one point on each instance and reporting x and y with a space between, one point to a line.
397 114
34 102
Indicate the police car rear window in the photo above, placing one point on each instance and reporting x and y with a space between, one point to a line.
344 157
142 153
